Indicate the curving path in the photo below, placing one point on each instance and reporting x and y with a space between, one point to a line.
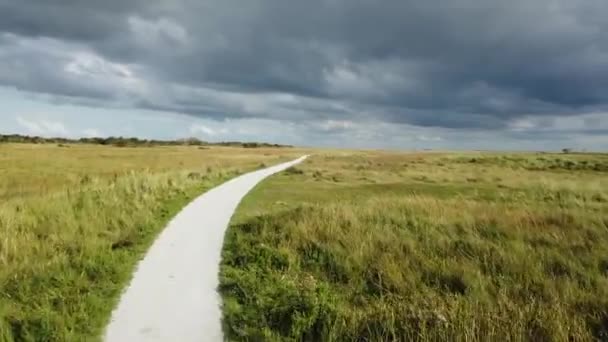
173 294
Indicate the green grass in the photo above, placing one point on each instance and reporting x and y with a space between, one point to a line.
74 221
374 246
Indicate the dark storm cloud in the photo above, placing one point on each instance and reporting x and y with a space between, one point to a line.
458 64
83 20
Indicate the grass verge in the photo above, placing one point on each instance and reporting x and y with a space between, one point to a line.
66 253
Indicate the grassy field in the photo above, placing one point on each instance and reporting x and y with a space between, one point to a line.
374 246
74 220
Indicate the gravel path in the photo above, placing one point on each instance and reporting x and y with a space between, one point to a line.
173 294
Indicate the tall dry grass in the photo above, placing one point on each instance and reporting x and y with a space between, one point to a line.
80 219
399 247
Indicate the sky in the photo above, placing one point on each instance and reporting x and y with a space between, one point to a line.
399 74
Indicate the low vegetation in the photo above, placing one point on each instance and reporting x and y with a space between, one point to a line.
75 219
347 246
423 246
127 142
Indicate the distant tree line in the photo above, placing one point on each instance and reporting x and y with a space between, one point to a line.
129 142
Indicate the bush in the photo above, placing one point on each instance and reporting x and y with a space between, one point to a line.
294 171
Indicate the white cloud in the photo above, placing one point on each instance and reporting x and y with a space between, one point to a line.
152 33
582 122
372 79
43 127
522 124
202 129
92 133
336 125
428 138
103 76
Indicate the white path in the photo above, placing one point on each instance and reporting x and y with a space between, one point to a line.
173 294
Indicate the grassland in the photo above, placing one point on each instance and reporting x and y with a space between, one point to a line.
374 246
74 219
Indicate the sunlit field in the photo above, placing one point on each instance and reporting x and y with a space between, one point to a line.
349 245
375 246
74 220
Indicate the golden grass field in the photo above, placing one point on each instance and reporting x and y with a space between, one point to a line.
379 246
74 220
348 246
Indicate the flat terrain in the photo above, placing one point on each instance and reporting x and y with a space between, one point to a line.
347 246
173 294
39 169
376 246
74 220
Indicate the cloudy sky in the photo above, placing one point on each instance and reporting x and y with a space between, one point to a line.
463 74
